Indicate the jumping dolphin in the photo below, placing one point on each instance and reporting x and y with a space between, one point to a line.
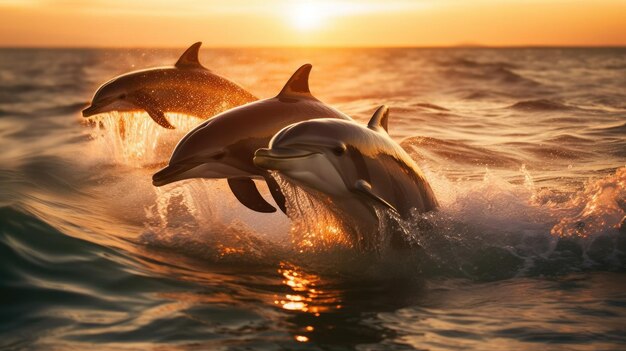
187 87
224 146
356 167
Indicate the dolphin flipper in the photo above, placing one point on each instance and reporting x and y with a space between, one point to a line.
147 103
246 192
277 194
365 188
159 117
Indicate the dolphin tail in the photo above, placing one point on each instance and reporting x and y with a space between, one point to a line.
246 192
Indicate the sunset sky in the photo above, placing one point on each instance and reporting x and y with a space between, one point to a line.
242 23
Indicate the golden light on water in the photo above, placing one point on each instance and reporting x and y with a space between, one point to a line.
305 296
301 338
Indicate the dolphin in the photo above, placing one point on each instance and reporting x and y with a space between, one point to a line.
357 168
224 146
187 87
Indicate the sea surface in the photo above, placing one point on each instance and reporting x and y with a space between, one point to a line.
525 149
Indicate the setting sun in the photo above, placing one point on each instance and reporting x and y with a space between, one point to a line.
307 15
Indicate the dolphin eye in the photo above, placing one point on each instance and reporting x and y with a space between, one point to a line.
123 96
339 150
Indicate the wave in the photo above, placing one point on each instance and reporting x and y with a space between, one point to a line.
429 106
554 152
495 229
540 105
5 113
35 178
46 273
60 110
465 62
66 291
479 94
26 92
569 139
444 151
499 75
618 129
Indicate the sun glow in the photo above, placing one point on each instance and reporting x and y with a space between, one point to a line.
308 15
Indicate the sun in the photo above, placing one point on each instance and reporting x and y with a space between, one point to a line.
307 15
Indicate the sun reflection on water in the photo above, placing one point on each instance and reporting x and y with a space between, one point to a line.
305 296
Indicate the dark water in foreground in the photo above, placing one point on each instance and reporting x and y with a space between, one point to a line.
525 148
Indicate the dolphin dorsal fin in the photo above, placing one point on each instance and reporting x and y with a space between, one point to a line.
189 59
380 119
298 85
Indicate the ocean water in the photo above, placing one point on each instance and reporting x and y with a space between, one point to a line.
525 149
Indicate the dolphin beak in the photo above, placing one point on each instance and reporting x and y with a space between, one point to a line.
169 174
272 158
90 111
97 107
108 105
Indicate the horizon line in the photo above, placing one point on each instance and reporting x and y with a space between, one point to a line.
204 46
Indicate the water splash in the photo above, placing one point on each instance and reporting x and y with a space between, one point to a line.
133 138
182 205
598 209
493 203
315 225
494 228
194 218
499 205
318 226
480 225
